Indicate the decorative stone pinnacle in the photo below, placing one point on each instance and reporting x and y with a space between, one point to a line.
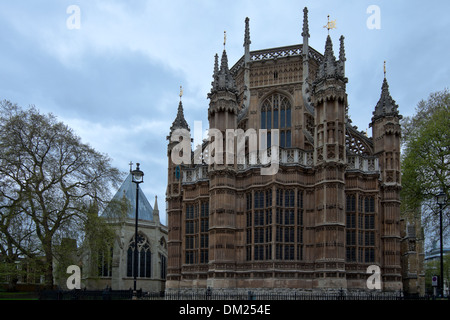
329 67
305 32
224 62
247 33
222 78
342 49
216 64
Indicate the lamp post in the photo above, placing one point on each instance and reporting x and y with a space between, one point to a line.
441 199
137 177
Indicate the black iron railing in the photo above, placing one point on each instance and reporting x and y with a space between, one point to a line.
210 295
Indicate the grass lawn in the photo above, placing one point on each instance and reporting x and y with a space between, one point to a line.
18 295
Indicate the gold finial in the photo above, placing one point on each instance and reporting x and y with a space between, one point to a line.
330 24
181 92
224 39
384 69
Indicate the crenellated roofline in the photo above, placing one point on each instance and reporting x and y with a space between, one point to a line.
276 53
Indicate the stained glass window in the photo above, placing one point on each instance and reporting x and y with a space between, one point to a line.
276 114
144 263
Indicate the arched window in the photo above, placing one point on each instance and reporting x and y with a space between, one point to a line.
105 262
163 260
276 114
144 263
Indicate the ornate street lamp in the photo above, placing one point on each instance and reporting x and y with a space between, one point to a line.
137 176
441 199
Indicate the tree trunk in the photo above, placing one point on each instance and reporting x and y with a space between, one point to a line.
48 265
49 276
12 284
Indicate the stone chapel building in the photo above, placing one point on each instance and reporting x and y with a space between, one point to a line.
116 271
331 210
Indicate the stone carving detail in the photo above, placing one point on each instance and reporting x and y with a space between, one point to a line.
357 142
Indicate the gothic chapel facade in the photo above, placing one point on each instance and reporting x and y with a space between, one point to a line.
330 211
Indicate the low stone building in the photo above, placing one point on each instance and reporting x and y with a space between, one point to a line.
116 271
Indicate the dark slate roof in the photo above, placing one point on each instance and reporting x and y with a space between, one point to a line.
128 188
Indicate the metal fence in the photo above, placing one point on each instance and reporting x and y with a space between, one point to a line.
291 296
209 295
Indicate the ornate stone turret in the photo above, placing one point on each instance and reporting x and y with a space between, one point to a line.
386 133
174 204
222 115
330 101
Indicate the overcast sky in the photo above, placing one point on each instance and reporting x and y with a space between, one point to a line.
115 80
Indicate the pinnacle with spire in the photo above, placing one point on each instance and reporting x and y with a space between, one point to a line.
155 207
180 121
222 78
224 63
386 105
330 67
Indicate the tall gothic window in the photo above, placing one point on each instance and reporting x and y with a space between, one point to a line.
360 225
285 225
351 228
196 229
163 260
204 228
276 114
104 262
259 224
288 219
144 256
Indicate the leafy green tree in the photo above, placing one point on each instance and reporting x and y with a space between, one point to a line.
426 160
100 234
48 179
432 268
16 238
